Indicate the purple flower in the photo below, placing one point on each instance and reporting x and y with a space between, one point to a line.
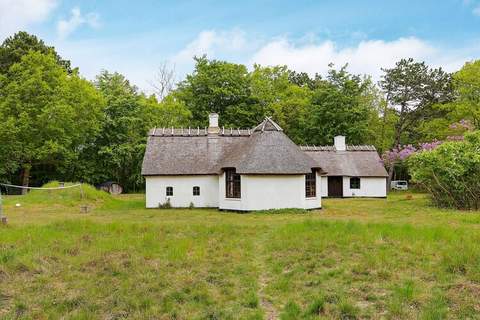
401 153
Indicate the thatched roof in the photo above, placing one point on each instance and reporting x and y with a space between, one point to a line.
357 161
268 151
262 150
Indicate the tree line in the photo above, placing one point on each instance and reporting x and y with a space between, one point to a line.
58 125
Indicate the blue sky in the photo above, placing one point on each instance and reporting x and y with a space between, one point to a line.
135 37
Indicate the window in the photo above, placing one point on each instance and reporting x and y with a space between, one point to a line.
311 185
196 191
169 191
355 183
232 184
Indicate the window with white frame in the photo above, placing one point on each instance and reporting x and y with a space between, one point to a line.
196 191
232 184
355 183
311 185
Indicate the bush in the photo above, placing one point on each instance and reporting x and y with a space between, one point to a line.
165 205
450 173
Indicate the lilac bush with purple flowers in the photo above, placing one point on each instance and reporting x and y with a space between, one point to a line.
450 172
398 155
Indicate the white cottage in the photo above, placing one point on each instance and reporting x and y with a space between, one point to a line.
352 171
252 169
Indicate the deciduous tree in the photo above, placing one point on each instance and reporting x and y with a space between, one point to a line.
15 47
48 113
412 89
339 107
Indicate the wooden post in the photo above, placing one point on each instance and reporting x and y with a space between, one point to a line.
3 219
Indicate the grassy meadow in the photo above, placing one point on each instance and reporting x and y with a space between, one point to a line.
355 259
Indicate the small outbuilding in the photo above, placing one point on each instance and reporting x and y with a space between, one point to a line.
352 171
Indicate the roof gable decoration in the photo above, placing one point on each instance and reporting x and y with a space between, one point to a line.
267 125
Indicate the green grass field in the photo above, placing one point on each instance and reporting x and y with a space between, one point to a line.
355 259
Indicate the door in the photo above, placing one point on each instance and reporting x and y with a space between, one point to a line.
335 187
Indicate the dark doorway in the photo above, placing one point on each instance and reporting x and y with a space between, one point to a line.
335 187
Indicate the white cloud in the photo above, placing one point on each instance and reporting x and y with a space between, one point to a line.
66 27
475 4
210 42
139 57
16 15
367 57
476 10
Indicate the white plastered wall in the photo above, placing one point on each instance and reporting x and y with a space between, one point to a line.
182 190
264 192
375 187
369 187
324 186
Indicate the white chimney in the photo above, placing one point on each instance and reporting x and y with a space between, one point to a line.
339 142
213 123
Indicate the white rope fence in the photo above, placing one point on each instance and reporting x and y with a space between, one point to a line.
3 218
40 188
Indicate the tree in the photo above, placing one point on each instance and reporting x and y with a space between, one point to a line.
340 106
14 48
302 79
128 116
381 121
412 89
164 81
170 112
221 87
49 114
466 105
273 94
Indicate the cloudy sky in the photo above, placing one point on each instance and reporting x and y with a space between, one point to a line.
135 37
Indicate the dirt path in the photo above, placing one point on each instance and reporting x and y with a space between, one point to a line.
263 281
265 303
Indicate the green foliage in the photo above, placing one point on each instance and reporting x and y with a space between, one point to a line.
412 90
57 125
274 94
340 105
450 173
466 106
20 44
467 86
117 151
221 87
49 115
311 111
